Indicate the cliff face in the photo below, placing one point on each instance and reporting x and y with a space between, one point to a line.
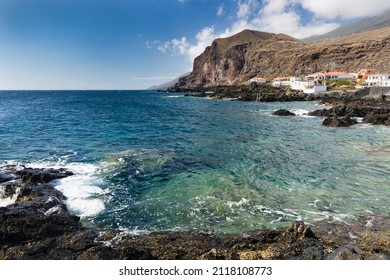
236 59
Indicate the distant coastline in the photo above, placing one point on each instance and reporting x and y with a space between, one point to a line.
371 104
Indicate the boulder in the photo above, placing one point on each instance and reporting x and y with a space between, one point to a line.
347 252
41 176
283 112
339 122
377 119
20 224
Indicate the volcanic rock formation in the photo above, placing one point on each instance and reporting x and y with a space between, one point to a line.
236 59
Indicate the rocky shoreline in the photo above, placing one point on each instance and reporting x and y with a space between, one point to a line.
38 225
346 105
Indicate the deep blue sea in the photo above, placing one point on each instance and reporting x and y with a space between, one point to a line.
147 161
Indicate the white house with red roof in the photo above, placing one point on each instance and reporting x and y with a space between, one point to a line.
258 80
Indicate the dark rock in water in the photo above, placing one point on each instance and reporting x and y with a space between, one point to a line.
39 211
372 111
5 177
253 92
377 119
320 113
9 172
202 94
339 122
283 112
19 224
9 188
41 176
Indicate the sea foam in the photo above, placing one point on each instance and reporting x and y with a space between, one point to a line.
301 113
84 196
82 190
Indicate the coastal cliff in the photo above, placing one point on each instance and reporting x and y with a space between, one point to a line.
238 58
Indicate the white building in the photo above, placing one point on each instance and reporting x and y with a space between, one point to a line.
258 80
335 76
281 82
315 89
301 85
307 86
320 77
377 79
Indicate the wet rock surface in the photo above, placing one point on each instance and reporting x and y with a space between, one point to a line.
339 122
252 92
283 112
358 104
39 226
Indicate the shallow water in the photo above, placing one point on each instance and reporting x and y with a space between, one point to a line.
157 161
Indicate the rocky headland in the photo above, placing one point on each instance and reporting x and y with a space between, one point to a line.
237 59
225 68
38 225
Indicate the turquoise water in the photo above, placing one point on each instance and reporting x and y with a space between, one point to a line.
148 161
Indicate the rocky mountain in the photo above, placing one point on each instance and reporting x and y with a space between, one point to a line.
167 85
363 25
237 59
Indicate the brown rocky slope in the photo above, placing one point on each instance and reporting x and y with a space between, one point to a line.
250 53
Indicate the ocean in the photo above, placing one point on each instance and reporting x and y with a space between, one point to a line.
147 161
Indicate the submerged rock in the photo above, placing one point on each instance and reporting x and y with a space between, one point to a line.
377 119
339 122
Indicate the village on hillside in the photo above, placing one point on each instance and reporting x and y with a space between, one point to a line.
321 82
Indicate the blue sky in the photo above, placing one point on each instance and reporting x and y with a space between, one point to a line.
131 44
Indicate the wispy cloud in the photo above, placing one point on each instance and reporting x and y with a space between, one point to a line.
346 9
277 16
245 8
221 10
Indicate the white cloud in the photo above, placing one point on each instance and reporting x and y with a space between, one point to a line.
203 39
164 47
278 16
220 10
245 8
346 9
275 6
281 16
153 44
180 46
